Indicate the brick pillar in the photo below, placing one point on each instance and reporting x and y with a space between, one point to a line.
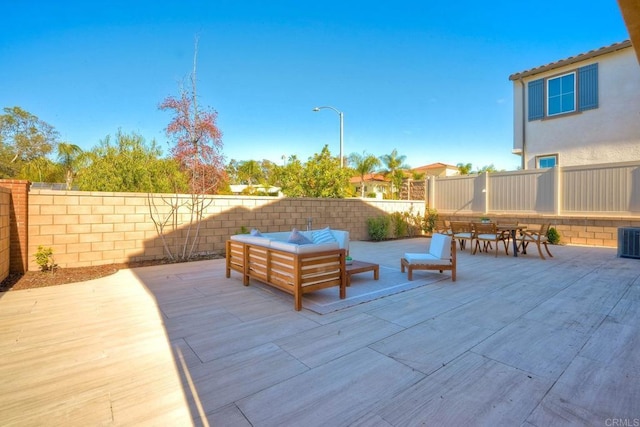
18 224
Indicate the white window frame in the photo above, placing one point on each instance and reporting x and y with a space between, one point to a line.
546 157
575 92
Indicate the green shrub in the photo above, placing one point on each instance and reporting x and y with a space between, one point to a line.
413 222
378 227
553 236
429 220
44 258
399 225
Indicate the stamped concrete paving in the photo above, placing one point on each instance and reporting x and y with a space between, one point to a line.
514 341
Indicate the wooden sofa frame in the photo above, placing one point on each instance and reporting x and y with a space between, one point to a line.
296 274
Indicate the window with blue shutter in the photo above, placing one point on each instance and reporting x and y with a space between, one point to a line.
588 87
536 99
574 91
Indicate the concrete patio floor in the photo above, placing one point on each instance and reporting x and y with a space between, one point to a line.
514 341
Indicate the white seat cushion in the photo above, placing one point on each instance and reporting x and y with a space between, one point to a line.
303 249
487 236
418 258
463 235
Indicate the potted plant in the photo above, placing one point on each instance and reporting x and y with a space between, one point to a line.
485 220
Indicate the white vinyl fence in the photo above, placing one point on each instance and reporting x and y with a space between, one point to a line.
604 190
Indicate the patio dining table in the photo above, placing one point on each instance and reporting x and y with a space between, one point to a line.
512 229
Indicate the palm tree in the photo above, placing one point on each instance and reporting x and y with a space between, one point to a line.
68 155
250 171
464 169
364 164
489 168
395 165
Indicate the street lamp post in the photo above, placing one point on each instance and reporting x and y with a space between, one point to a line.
341 129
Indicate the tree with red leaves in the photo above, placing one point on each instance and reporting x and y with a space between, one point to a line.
198 141
197 149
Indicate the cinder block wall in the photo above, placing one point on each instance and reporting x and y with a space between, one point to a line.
5 236
92 228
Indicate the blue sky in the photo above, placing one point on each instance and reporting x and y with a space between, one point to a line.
427 78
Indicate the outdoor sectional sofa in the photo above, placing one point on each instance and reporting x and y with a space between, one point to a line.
293 264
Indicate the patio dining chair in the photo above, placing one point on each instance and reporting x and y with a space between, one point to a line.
442 227
487 233
441 256
462 231
537 237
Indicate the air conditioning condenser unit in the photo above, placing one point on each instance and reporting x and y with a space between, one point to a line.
629 242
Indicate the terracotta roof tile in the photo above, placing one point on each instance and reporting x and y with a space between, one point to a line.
572 59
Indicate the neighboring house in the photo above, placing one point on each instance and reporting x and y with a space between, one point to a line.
436 169
580 110
374 183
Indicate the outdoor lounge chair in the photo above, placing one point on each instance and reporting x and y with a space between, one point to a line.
537 237
488 233
441 256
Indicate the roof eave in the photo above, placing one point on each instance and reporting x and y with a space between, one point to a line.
572 60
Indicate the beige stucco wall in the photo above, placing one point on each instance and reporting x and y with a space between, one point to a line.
609 133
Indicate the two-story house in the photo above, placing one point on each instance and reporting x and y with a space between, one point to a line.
580 110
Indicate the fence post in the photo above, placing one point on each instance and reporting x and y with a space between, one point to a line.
557 189
486 190
430 186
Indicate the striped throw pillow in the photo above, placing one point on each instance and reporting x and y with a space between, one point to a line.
323 236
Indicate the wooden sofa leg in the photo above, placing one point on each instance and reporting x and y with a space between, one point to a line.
297 297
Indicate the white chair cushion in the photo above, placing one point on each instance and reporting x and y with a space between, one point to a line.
463 235
487 236
440 247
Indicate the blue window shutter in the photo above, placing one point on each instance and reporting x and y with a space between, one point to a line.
588 87
536 99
